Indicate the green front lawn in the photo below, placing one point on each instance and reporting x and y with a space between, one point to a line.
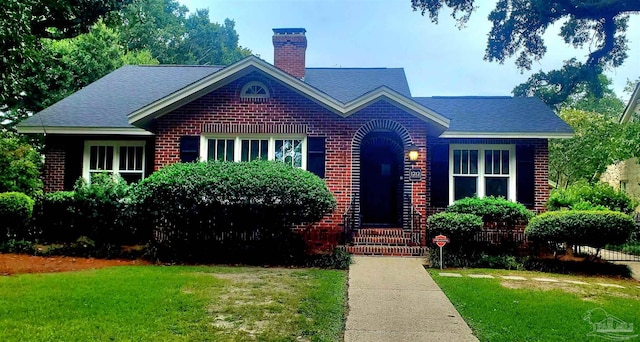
514 310
158 303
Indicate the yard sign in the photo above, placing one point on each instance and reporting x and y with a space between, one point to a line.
440 240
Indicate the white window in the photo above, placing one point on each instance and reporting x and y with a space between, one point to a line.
125 158
482 170
288 149
254 91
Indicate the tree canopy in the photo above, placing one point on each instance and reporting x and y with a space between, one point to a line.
24 22
518 31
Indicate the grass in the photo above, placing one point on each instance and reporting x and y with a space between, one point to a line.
502 310
160 303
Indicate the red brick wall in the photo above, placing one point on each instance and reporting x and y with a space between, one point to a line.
541 161
54 167
223 106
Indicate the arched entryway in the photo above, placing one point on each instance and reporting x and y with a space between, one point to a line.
379 170
381 174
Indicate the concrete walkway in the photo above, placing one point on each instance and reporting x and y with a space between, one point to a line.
395 299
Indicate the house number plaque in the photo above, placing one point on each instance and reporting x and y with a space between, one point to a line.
415 175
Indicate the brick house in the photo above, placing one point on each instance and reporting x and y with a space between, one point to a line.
354 127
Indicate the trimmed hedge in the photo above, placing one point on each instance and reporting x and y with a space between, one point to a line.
54 217
16 209
581 196
492 209
591 228
101 210
209 211
455 225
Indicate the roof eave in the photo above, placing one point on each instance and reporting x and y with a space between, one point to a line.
409 105
83 130
506 135
632 106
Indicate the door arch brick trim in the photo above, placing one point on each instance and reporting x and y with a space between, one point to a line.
356 145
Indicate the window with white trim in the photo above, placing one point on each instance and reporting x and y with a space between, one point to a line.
125 158
482 170
288 149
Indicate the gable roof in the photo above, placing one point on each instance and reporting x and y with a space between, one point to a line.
253 64
497 117
103 105
347 84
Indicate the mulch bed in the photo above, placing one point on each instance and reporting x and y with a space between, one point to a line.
19 263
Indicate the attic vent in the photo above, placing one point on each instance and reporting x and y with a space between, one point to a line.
254 92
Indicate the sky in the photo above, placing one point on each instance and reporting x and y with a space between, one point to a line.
439 60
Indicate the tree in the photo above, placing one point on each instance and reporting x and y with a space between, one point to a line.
163 27
24 22
19 166
608 104
597 143
519 27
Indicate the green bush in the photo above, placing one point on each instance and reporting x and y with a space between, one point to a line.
54 217
492 209
601 195
101 210
16 209
591 228
205 211
337 259
455 225
19 166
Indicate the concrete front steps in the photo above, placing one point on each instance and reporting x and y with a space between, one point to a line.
384 241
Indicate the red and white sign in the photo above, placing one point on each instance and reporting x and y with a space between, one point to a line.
440 240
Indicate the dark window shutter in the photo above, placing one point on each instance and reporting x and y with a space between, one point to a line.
316 156
189 148
525 177
440 175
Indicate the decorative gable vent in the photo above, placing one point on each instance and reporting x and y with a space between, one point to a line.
254 91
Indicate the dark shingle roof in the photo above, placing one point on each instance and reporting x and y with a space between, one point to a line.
496 114
346 84
107 101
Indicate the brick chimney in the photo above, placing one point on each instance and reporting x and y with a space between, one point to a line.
289 47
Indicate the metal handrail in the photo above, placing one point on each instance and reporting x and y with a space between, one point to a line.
349 223
416 226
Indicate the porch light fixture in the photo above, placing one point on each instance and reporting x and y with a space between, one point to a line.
414 153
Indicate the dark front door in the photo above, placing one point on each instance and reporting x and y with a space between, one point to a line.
379 184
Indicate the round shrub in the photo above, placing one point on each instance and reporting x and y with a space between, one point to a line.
600 195
591 228
16 209
202 209
455 225
492 209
